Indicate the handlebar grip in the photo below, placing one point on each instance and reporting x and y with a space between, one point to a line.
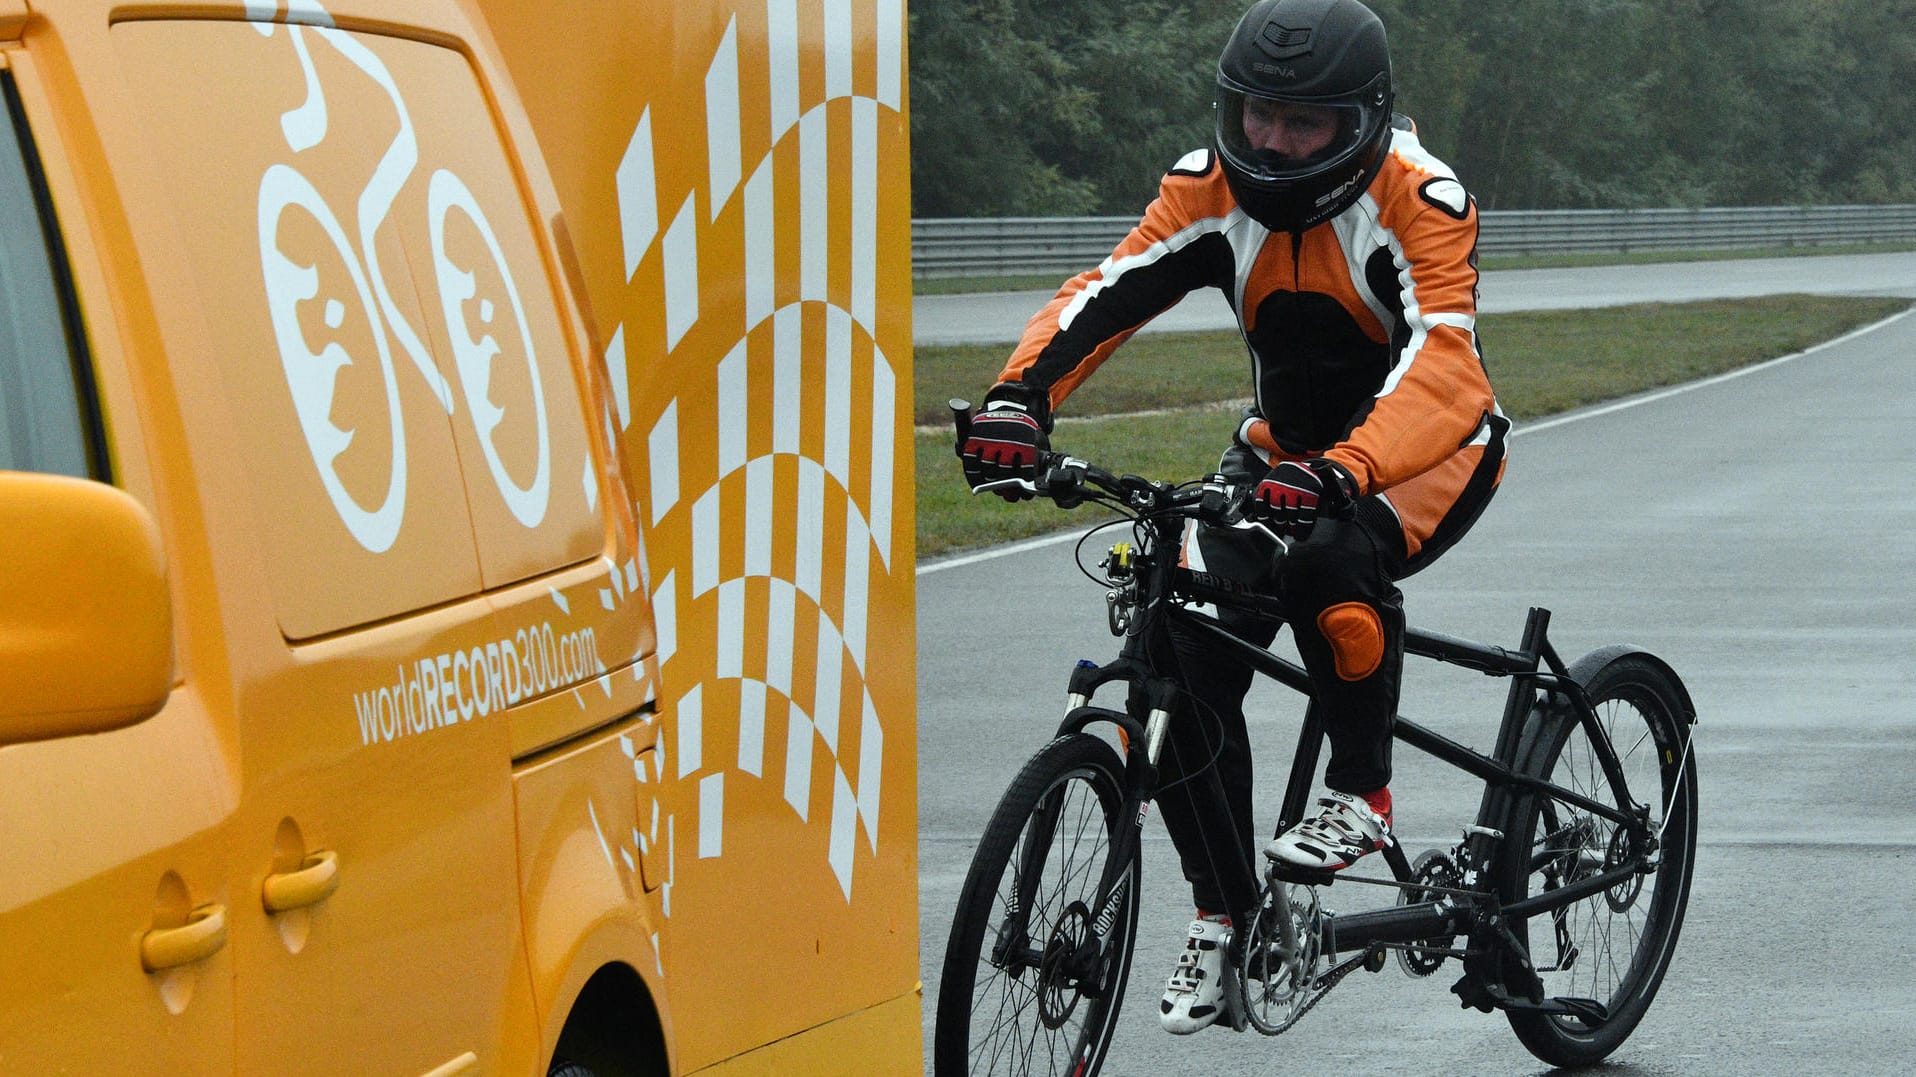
961 421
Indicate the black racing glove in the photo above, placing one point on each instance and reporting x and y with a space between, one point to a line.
1001 454
1293 495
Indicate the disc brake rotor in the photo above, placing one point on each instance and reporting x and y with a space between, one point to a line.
1060 984
1621 852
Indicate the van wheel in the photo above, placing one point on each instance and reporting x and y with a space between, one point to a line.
562 1068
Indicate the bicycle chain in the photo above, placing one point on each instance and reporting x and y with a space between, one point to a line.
1331 979
1320 987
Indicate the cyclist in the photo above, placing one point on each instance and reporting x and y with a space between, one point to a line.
1374 441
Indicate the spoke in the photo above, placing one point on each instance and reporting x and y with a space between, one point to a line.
1016 997
1605 940
1635 744
1612 943
1069 875
1083 881
1031 1045
1592 768
1058 858
993 1037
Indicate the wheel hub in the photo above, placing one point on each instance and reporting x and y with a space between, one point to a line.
1622 852
1062 968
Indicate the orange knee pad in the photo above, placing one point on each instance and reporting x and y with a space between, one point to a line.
1356 635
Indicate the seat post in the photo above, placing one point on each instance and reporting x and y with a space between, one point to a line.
1297 791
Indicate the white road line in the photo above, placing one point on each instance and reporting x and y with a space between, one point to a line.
1000 551
1526 428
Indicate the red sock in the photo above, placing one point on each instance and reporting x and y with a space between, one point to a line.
1379 801
1222 918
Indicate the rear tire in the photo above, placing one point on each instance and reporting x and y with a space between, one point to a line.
1030 994
1618 942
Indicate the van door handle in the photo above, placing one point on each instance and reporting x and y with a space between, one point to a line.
311 883
196 940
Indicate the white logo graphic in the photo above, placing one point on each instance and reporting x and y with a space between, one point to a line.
474 357
312 376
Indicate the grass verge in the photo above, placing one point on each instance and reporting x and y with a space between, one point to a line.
1540 363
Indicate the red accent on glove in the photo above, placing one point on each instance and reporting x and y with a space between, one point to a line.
1004 437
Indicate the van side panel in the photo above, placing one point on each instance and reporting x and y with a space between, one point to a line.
107 838
582 844
737 190
843 1048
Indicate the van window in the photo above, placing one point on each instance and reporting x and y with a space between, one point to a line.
46 412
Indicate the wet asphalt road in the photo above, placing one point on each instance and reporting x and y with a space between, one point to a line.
1757 531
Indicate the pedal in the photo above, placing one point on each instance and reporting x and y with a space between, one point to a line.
1486 997
1284 872
1588 1010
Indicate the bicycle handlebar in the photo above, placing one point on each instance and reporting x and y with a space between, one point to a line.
1063 479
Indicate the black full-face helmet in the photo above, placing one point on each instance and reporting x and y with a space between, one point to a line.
1323 63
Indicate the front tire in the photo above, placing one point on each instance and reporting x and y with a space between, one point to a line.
1614 946
1026 987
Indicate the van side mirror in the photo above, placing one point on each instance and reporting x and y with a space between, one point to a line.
86 624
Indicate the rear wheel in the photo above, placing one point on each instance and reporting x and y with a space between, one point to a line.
1613 946
1031 984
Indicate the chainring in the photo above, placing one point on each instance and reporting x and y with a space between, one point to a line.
1279 973
1432 868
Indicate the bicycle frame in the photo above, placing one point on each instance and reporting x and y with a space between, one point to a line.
1540 681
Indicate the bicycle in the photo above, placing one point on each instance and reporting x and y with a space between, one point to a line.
1562 902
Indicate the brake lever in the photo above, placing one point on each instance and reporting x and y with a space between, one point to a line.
1062 483
1230 502
1027 485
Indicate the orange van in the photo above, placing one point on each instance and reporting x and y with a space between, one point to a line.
455 538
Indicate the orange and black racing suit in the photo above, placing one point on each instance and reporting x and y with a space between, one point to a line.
1363 346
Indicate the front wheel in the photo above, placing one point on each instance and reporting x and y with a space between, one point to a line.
1038 957
1613 946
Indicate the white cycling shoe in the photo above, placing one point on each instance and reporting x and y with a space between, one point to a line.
1194 996
1344 830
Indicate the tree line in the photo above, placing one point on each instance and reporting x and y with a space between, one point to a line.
1072 108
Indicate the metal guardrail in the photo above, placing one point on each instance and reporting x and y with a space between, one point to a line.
965 246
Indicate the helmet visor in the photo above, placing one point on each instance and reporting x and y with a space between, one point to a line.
1275 139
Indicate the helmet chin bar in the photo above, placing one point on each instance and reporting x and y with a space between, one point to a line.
1311 195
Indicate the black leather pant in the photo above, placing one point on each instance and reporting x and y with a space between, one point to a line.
1343 560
